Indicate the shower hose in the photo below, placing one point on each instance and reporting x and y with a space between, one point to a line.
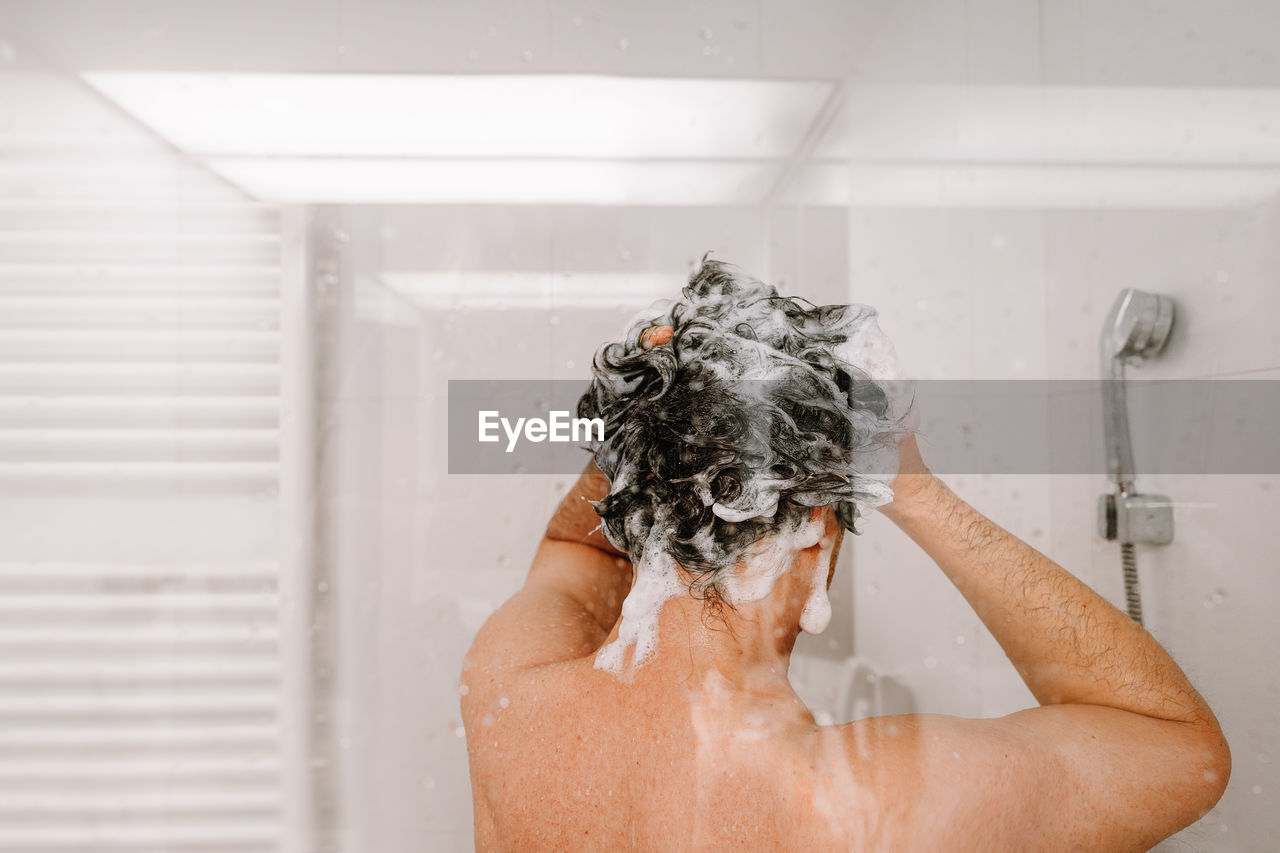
1129 560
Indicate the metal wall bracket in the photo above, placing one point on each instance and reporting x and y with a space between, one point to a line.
1137 519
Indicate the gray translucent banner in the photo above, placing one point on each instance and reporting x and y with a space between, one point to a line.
1181 426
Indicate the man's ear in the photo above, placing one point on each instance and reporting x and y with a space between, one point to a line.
811 533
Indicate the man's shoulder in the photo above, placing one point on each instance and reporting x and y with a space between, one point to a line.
952 780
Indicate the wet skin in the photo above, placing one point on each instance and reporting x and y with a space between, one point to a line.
707 747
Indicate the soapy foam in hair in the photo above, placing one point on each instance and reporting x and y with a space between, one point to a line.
719 442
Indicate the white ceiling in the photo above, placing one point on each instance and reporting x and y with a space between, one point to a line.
693 102
779 39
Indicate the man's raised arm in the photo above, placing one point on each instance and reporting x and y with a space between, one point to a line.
571 597
1138 752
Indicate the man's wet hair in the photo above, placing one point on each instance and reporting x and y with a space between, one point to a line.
735 427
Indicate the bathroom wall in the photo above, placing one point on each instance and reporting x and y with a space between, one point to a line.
1018 289
413 559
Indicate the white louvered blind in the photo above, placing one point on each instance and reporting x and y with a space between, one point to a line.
141 700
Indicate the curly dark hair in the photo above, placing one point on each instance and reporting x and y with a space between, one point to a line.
737 425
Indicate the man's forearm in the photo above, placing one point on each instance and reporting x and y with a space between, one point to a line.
575 520
1067 642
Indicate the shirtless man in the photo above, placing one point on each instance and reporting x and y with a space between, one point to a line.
670 725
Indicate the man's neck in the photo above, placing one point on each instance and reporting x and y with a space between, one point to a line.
748 646
747 639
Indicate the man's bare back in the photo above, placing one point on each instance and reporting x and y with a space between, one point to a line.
682 756
600 765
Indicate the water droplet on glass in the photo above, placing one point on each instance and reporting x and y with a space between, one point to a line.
623 44
527 56
707 35
504 702
930 662
463 690
959 639
569 364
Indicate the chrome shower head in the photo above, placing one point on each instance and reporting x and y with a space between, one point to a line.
1137 326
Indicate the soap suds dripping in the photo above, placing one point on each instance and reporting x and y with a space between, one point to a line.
656 581
817 609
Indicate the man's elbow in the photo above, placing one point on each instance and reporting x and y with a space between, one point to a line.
1209 768
1218 772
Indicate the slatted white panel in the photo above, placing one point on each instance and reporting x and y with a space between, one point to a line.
141 692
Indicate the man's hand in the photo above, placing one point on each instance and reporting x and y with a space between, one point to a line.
575 520
656 336
913 476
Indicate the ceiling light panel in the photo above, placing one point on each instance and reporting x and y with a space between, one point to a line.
506 290
458 116
1058 124
396 181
